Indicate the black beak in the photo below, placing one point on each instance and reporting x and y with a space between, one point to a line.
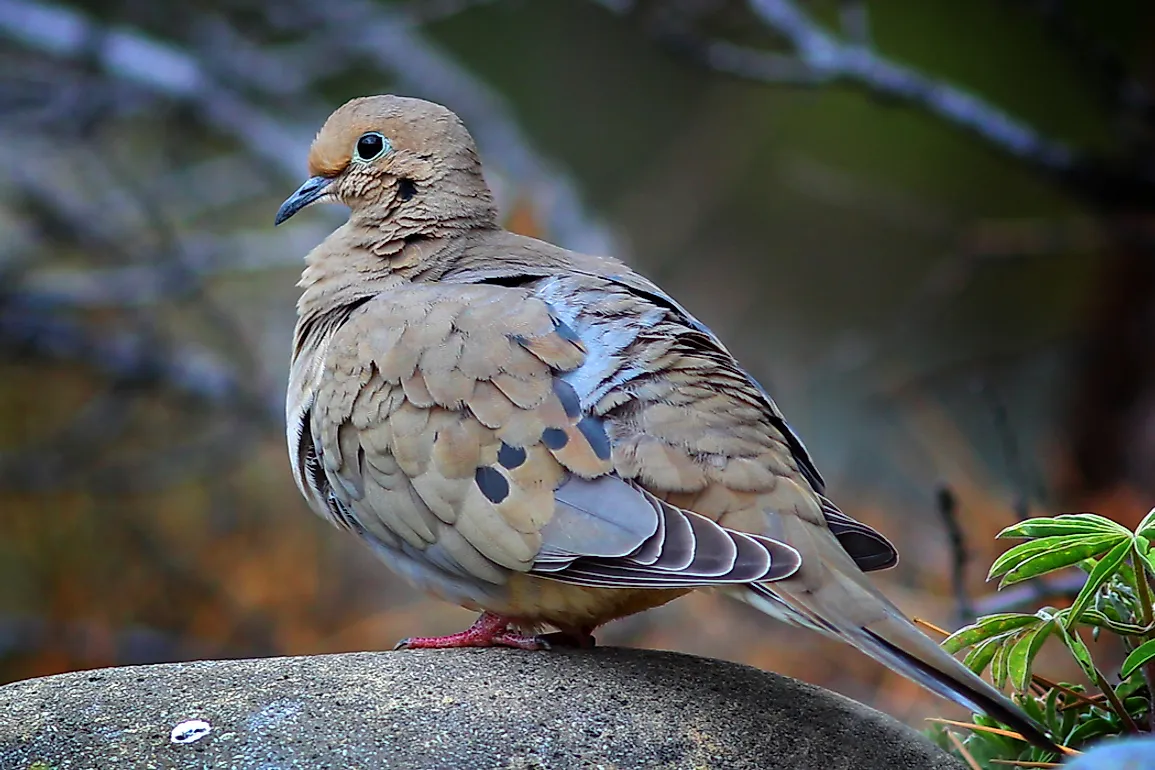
309 192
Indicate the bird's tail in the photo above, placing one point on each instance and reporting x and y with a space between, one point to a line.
832 596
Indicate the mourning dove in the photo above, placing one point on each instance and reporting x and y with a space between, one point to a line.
547 437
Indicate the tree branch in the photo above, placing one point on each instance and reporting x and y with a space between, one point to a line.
947 505
819 57
342 29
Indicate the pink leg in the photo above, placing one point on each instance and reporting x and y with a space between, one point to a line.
488 631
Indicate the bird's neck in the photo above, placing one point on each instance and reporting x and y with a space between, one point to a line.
356 263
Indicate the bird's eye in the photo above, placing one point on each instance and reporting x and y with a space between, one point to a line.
371 146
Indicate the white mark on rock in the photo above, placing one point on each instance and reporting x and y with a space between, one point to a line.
190 731
274 715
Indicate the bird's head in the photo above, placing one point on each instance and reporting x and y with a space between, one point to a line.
395 159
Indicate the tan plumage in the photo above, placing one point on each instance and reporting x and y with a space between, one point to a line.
546 436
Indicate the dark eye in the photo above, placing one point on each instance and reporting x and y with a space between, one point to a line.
371 145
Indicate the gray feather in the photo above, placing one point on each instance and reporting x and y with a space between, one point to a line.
686 550
602 517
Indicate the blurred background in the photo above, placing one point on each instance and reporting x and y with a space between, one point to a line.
923 224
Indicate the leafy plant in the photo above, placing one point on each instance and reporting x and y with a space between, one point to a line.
1116 599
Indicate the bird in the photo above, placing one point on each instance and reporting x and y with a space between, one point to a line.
547 437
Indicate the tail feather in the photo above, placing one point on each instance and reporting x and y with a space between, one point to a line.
832 596
964 687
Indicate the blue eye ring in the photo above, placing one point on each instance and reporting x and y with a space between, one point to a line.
371 146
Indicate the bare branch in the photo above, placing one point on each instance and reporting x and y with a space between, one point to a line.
947 505
1022 478
348 28
818 57
160 68
30 324
832 59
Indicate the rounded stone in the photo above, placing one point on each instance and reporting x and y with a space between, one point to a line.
455 709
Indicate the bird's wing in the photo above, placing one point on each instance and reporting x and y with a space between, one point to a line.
694 427
869 548
443 425
624 298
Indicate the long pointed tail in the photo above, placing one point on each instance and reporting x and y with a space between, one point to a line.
835 598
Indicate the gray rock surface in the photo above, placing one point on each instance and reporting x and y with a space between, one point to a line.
455 709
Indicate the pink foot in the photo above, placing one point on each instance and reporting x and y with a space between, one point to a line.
488 631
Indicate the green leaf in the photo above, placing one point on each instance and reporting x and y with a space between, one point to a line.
1112 603
999 666
1136 706
1023 653
1067 524
1100 619
1073 551
1131 686
1019 553
1106 567
1079 650
1146 553
1030 705
1052 719
980 655
1092 728
1070 718
992 625
1140 655
1124 580
1146 550
1148 523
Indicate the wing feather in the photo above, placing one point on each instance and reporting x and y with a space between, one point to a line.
444 423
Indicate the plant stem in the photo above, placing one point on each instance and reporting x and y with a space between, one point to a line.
1116 704
1143 591
1141 588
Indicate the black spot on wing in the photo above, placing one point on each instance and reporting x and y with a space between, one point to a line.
565 331
510 456
554 438
595 433
568 397
492 484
